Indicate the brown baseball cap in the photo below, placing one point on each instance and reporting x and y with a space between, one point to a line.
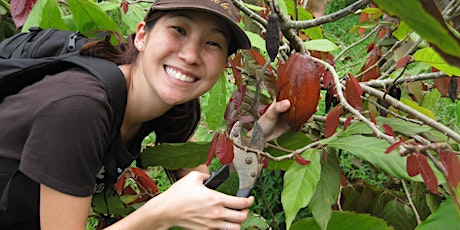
222 8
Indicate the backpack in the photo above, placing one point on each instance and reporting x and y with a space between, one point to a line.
25 58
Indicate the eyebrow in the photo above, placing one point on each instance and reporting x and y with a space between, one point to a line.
190 18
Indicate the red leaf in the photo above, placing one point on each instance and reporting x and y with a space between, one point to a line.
353 93
371 115
333 120
224 149
20 10
363 17
347 122
452 164
388 130
125 6
412 166
418 164
212 149
236 73
259 58
374 54
428 176
231 114
403 62
299 159
393 147
325 156
147 185
120 183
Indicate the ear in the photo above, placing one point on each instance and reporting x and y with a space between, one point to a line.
141 36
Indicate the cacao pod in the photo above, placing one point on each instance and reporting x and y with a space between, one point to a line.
299 82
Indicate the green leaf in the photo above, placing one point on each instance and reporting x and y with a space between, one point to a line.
446 217
430 99
372 150
403 127
111 201
254 221
344 220
89 18
417 107
300 184
256 41
313 32
289 140
323 45
399 215
45 14
327 191
217 103
402 31
133 16
176 155
431 57
433 29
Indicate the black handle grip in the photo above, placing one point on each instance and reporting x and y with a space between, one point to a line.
218 177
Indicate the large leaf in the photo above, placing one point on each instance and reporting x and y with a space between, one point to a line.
176 155
419 108
399 215
327 191
45 14
429 56
446 217
89 17
217 103
344 220
300 184
424 18
321 45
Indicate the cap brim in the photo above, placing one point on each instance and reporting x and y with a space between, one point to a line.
241 40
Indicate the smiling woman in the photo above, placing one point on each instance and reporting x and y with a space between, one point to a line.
177 54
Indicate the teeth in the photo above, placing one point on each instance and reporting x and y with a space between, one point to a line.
178 75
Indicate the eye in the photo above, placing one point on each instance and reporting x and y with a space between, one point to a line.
212 43
179 29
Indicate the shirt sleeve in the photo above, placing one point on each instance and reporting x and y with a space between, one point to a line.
66 144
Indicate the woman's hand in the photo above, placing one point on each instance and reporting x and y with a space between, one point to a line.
272 125
190 205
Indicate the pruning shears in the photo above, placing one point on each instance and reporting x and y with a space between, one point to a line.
246 163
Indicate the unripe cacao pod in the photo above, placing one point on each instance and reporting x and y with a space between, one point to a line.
299 82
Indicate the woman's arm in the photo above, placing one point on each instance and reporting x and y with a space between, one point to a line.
62 211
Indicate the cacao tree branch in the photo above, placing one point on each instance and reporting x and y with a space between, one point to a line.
344 103
391 112
418 77
417 115
351 9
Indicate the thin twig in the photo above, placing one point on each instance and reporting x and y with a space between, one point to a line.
411 204
375 29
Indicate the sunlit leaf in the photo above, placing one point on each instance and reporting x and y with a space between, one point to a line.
217 103
323 45
90 19
45 14
429 56
420 109
300 184
344 220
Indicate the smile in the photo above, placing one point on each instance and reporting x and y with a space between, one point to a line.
178 75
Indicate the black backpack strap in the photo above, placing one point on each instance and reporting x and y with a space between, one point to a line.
113 81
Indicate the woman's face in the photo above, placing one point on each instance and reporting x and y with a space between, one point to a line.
182 56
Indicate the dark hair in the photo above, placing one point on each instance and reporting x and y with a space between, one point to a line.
177 124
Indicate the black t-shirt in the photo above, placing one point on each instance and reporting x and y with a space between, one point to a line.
59 130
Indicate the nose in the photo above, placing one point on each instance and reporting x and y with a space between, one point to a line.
190 52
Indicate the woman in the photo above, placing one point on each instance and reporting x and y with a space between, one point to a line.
177 54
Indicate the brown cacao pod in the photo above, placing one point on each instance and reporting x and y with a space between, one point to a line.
299 82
